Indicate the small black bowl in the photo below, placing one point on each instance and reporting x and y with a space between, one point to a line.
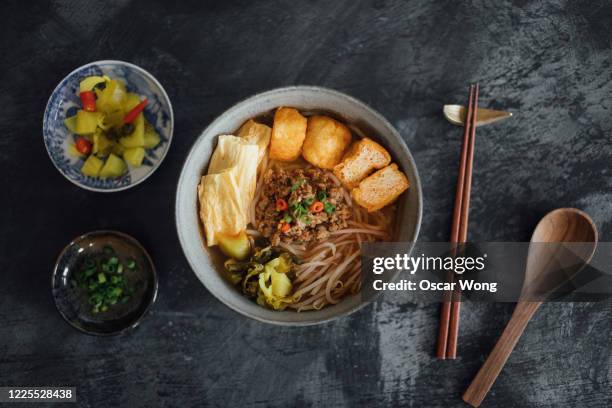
72 302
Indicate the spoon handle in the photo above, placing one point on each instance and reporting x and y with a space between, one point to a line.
481 384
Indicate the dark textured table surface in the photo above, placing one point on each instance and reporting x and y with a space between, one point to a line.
549 62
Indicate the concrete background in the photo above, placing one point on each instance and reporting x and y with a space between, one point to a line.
549 62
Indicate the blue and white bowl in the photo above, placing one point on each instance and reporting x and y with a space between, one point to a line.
65 101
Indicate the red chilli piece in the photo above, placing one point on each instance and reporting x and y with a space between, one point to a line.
281 205
88 99
83 145
133 114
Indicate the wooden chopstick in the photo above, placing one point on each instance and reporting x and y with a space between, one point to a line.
449 316
453 332
454 238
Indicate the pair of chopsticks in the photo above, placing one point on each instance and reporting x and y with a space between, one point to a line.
449 317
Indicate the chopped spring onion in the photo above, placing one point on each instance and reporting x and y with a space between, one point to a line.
329 207
102 278
308 201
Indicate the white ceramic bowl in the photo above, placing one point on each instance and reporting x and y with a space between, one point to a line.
207 263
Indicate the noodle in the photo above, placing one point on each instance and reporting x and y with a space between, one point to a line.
313 263
294 249
325 244
306 302
336 275
312 275
313 285
261 170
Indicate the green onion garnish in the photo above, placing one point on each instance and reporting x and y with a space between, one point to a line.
101 277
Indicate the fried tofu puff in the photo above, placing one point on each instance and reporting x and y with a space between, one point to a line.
325 143
363 157
381 188
288 134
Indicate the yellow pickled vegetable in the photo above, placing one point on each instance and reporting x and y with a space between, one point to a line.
282 264
136 139
134 156
131 100
274 284
121 85
114 167
281 284
98 91
277 299
101 144
88 83
86 122
72 151
112 97
117 149
106 128
71 123
92 166
111 119
235 246
151 138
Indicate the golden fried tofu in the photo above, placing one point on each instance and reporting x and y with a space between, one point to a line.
256 133
288 134
325 143
364 156
381 188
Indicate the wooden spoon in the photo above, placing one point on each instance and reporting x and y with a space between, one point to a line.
456 114
542 274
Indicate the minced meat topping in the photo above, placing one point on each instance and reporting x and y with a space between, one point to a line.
300 205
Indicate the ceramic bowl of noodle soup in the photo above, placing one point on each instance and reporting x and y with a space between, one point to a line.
327 277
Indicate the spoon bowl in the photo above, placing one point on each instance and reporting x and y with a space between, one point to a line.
563 242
